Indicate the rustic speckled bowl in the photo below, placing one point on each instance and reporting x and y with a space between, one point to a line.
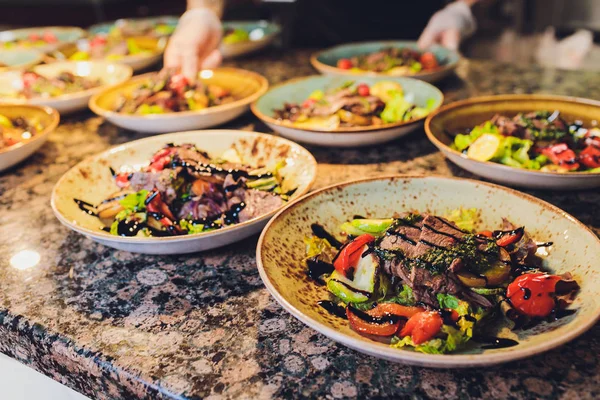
245 85
16 153
280 252
326 61
108 73
474 111
262 34
91 181
297 90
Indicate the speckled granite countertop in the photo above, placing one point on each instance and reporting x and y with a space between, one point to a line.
111 324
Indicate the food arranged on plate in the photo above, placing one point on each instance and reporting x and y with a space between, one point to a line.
183 191
16 130
538 140
244 37
33 40
33 85
102 47
169 92
42 38
433 283
394 61
353 104
235 35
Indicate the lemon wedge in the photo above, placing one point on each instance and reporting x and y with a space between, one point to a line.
484 148
5 121
320 123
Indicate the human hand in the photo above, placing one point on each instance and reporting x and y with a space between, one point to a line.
448 26
194 44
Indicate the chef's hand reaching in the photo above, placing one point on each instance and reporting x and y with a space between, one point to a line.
449 26
195 43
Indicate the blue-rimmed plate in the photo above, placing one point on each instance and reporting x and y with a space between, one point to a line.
326 61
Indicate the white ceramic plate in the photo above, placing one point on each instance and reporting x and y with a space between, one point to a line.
91 181
109 73
297 90
576 249
16 153
245 85
471 112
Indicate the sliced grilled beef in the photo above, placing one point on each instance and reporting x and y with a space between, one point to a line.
162 181
258 203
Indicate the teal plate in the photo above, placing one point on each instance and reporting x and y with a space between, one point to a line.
261 34
17 59
106 27
326 61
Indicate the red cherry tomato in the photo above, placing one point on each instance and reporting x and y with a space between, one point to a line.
423 326
34 37
49 37
29 78
350 254
590 156
178 83
122 180
308 103
560 154
532 294
344 63
363 90
428 61
369 328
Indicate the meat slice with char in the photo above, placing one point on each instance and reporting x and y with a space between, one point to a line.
404 238
437 232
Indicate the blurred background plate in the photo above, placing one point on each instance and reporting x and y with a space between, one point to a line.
245 37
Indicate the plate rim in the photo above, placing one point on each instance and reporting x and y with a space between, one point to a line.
407 356
37 137
505 97
168 239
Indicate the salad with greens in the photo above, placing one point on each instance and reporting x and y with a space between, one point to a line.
539 140
184 191
435 284
354 105
391 61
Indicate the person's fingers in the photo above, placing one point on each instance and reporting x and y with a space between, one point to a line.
213 60
172 57
450 39
427 38
190 64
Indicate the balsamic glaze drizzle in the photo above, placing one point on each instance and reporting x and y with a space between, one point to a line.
333 308
320 232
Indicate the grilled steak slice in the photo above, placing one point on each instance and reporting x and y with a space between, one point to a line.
258 203
438 232
404 238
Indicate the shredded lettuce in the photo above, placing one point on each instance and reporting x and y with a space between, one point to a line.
135 201
190 227
464 218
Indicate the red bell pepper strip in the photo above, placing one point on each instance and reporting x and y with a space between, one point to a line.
532 294
590 156
122 180
506 238
157 205
561 155
350 254
423 326
370 328
161 158
394 309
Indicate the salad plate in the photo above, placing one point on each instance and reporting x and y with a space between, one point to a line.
19 59
23 130
152 26
245 37
403 286
387 58
182 192
533 141
42 39
66 86
138 52
337 112
236 88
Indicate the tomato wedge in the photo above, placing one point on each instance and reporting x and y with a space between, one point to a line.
423 326
590 156
387 328
560 154
532 294
350 254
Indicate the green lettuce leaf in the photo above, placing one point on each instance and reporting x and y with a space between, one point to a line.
464 218
135 202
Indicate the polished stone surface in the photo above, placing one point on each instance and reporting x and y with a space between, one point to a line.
113 325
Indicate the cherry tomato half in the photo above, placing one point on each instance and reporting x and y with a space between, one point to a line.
428 61
344 63
560 154
532 294
363 90
308 103
350 254
590 156
423 326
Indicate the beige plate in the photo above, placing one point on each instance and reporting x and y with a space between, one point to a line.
245 85
474 111
108 73
280 251
92 181
16 153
